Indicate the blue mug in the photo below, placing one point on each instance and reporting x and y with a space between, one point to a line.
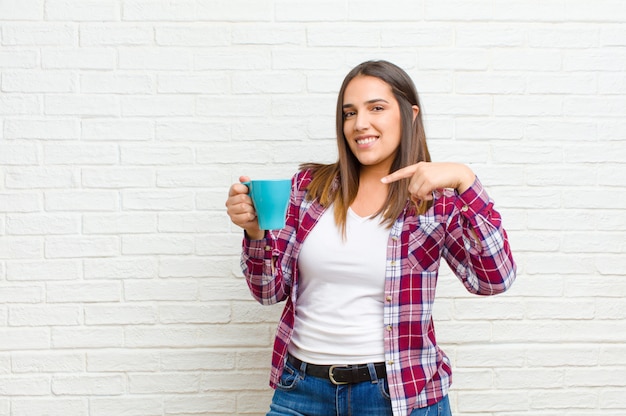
270 198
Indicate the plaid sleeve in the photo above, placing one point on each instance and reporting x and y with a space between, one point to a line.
258 260
477 247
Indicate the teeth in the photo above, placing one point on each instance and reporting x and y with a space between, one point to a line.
366 141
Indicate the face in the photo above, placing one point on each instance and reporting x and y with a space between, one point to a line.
372 122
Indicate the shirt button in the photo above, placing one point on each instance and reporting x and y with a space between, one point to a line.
389 328
268 248
393 262
390 362
464 208
394 238
388 298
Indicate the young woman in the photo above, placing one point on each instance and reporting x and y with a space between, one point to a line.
358 259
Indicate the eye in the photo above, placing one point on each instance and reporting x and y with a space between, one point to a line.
348 114
378 108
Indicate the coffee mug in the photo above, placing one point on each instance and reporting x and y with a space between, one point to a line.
270 198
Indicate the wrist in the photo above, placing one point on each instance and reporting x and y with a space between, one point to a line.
255 234
466 179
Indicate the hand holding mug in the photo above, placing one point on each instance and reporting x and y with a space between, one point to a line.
262 205
240 209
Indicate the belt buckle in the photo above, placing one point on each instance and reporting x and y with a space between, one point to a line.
332 377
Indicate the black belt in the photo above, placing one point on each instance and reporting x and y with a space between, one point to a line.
340 374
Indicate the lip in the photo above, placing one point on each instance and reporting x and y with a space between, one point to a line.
366 140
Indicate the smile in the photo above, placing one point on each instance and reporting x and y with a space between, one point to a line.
366 140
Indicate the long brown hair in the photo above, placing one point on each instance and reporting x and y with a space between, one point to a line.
338 183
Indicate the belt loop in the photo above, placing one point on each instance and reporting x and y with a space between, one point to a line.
373 375
302 369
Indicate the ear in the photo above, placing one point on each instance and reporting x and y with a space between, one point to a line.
416 111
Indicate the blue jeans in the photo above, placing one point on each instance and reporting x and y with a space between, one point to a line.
299 394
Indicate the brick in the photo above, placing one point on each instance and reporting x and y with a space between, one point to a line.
216 402
164 383
193 35
61 406
37 385
98 385
29 178
39 34
44 316
115 34
194 130
92 154
21 294
117 129
197 359
19 154
189 223
122 361
193 84
119 224
84 58
490 35
155 155
120 268
115 84
324 35
119 315
160 106
14 248
97 337
117 178
14 10
154 10
268 34
19 58
164 200
82 105
62 292
53 82
236 10
272 82
290 59
19 104
78 10
150 290
323 11
506 59
150 58
249 380
612 83
530 11
129 406
95 201
47 362
198 336
201 314
484 83
56 129
458 10
233 58
21 339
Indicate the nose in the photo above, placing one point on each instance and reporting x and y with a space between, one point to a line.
362 121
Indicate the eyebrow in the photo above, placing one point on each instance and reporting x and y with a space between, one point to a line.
372 101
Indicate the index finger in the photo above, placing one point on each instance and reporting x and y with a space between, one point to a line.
237 188
402 173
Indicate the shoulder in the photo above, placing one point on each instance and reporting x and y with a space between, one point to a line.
302 179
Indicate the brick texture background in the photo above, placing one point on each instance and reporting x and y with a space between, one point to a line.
123 122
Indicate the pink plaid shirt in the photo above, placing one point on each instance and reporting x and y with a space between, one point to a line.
463 229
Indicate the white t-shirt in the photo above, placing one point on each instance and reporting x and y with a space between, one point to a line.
339 313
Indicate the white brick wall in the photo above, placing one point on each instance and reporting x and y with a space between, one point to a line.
123 122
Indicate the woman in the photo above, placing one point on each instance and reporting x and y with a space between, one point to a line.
358 259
